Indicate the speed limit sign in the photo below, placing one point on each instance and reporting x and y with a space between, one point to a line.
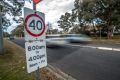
34 25
35 42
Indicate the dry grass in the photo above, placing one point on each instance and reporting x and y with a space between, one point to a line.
115 39
13 65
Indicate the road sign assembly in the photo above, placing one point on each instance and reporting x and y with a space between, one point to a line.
35 45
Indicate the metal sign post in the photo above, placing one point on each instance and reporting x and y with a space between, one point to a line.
34 6
37 71
37 74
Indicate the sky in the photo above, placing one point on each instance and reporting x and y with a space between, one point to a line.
53 9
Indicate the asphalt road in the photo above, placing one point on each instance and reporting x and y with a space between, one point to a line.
85 63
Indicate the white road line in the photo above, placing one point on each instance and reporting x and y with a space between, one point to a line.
116 49
101 48
105 48
90 47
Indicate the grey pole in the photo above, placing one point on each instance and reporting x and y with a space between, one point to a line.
100 33
38 74
37 71
34 6
1 32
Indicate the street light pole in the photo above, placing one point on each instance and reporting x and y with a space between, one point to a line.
1 32
100 33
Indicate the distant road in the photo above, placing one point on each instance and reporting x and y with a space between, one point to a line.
84 63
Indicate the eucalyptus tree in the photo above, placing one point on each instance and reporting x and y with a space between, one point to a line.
109 13
18 31
8 8
64 22
105 12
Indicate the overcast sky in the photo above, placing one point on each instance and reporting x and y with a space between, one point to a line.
53 9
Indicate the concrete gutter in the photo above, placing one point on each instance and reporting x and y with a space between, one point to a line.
61 75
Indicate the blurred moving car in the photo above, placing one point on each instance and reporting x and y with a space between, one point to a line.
62 39
11 38
55 40
75 38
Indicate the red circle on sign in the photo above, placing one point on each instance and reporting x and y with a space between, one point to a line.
26 27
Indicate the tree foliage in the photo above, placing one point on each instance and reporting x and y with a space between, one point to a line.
6 34
18 31
96 13
11 8
50 29
65 22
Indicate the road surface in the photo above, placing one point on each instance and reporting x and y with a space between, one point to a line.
84 62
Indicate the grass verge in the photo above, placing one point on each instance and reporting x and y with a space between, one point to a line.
13 65
115 39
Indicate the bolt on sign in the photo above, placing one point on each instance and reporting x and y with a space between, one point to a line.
35 45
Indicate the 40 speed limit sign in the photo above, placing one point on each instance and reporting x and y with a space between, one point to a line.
35 42
34 25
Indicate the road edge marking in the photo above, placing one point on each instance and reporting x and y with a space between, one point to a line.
100 48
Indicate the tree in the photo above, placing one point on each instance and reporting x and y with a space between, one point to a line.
101 14
65 22
98 12
18 31
6 34
75 30
54 31
12 8
49 28
110 14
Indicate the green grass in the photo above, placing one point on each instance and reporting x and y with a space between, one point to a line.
115 39
12 64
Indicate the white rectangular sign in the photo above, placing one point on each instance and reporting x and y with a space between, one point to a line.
35 55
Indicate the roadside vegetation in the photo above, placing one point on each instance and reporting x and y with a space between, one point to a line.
13 65
93 17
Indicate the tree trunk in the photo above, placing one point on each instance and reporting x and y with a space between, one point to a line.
1 34
94 29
